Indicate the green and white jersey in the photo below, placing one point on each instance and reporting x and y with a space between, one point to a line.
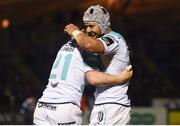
116 59
67 77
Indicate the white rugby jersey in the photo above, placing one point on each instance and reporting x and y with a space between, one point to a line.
116 52
67 77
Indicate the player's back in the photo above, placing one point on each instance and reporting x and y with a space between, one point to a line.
66 81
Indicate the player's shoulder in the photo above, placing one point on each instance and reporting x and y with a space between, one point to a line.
117 35
113 37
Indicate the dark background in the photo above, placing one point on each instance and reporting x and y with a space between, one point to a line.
29 44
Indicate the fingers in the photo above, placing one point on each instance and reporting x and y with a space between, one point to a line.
129 68
67 29
69 26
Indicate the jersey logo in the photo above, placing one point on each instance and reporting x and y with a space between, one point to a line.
100 116
107 40
54 84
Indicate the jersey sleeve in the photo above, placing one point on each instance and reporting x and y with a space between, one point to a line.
87 68
110 43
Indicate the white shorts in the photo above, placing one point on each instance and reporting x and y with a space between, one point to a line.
110 114
57 114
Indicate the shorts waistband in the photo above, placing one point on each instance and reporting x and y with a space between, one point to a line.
49 103
46 105
113 103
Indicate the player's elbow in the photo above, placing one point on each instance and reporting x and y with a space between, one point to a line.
94 46
92 79
88 47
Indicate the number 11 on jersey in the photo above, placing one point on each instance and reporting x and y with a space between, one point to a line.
61 61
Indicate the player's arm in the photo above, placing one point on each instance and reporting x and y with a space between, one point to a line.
90 44
84 41
97 78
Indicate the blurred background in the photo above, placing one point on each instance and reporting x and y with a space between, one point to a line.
32 31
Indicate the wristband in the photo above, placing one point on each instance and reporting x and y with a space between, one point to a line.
75 33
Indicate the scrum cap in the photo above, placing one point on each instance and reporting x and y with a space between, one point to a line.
98 14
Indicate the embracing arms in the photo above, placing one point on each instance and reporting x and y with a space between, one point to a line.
84 41
97 78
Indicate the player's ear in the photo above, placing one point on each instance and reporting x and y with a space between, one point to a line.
83 30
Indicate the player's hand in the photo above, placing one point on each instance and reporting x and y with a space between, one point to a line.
129 68
70 28
127 73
